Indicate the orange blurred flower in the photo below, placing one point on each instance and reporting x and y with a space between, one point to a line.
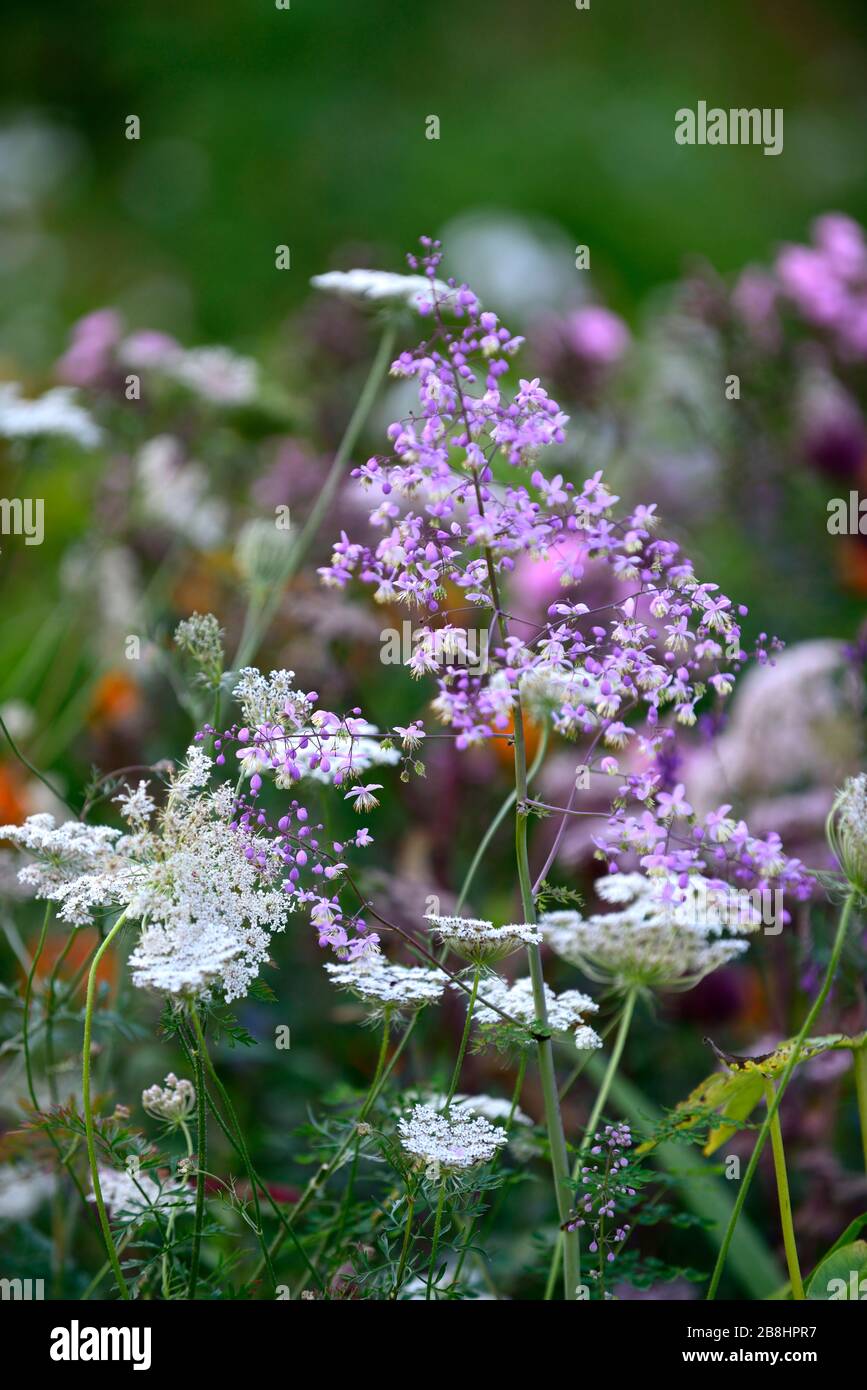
115 700
13 802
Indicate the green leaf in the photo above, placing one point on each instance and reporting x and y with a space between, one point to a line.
841 1275
736 1092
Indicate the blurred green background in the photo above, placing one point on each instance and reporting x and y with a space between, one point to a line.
306 127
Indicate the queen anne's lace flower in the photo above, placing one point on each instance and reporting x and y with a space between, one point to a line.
489 1107
383 287
566 1011
659 937
479 941
847 831
135 1196
375 980
73 864
208 894
173 1103
450 1143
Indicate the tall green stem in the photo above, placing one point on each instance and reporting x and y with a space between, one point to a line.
88 1111
497 822
202 1155
347 1196
404 1249
257 622
435 1244
596 1112
544 1048
784 1198
860 1064
323 1173
465 1037
761 1137
28 995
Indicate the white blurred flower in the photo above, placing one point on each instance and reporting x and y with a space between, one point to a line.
56 413
384 287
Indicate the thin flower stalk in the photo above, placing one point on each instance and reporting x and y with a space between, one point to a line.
794 1058
107 1236
784 1198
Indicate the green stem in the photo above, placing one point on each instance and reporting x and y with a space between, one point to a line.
324 1172
497 822
347 1196
598 1107
794 1058
488 1217
28 995
257 624
35 770
783 1196
50 1011
545 1051
438 1221
238 1147
202 1155
404 1250
88 1111
860 1064
456 1074
239 1143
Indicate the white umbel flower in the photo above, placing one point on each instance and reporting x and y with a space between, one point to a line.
383 287
479 941
208 897
173 1103
449 1143
566 1011
659 936
399 988
73 864
847 831
134 1196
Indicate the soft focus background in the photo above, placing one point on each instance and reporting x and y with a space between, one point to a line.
306 128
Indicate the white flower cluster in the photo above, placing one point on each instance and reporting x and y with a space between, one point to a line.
660 936
55 413
208 910
384 287
136 1195
173 1103
136 806
316 742
393 987
479 941
208 900
566 1011
272 699
451 1143
74 864
489 1107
